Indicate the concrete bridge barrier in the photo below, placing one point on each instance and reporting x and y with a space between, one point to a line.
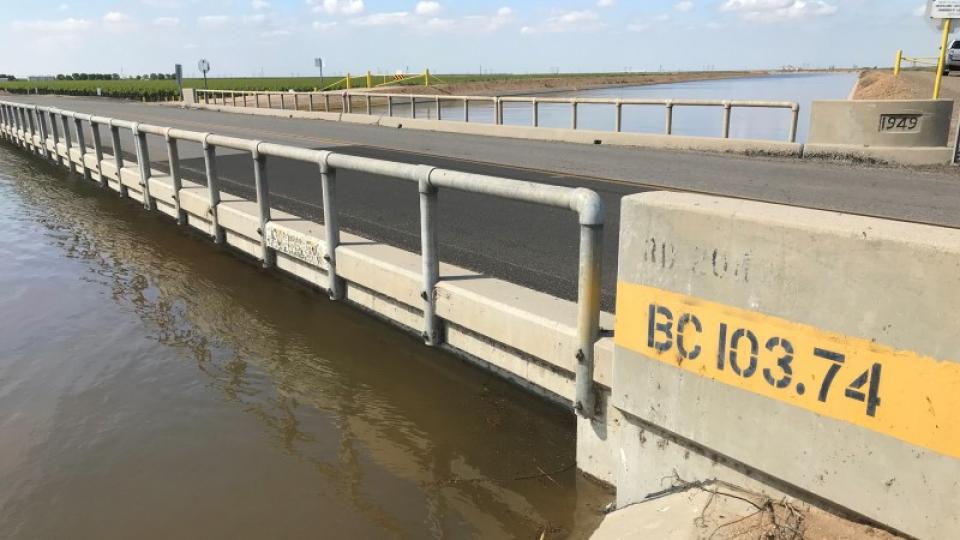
792 351
903 131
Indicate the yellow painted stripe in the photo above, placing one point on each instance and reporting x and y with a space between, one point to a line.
901 394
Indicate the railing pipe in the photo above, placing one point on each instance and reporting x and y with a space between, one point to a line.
267 255
117 156
668 111
173 158
794 120
98 149
143 161
213 188
328 179
726 120
430 261
82 146
68 144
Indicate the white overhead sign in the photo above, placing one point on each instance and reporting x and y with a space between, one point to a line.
944 9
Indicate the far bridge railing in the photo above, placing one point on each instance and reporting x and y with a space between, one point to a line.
387 104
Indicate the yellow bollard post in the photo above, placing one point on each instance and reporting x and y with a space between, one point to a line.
896 64
348 80
369 79
943 56
426 77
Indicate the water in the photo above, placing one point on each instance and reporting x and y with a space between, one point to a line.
772 124
154 387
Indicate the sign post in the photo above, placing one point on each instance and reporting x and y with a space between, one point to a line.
178 73
204 66
946 10
318 62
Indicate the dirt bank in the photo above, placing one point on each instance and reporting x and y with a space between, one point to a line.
882 84
530 85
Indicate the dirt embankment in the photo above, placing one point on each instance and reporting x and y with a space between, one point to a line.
524 85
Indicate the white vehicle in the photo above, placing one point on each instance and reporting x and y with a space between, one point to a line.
953 58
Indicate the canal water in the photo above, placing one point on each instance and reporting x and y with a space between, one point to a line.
771 124
152 386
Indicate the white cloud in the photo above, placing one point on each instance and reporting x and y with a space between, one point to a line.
685 5
427 8
583 20
337 7
642 25
213 21
330 25
166 22
62 26
396 18
259 5
778 10
115 17
419 21
606 3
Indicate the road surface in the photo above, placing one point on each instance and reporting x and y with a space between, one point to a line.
525 244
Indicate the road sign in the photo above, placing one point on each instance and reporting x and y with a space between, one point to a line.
318 62
204 66
944 9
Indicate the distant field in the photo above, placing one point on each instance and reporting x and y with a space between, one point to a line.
167 89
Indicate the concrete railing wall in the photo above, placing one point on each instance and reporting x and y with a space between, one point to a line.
908 130
791 350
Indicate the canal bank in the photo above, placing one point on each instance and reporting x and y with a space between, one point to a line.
164 389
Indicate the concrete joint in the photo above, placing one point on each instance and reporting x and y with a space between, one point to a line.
423 179
589 206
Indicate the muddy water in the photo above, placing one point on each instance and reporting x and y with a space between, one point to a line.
154 387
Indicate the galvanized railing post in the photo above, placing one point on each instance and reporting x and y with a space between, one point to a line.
726 120
439 114
41 131
428 255
267 255
535 112
98 150
328 179
173 159
33 128
668 108
343 102
466 110
233 98
497 111
618 123
326 103
82 146
67 143
794 118
413 107
213 189
588 300
310 95
118 157
296 101
368 104
256 100
390 106
143 163
573 110
3 121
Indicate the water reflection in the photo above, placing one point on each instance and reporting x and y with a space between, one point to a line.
164 389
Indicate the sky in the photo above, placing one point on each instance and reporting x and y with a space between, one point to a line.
282 37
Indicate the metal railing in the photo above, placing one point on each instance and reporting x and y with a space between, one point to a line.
44 130
347 100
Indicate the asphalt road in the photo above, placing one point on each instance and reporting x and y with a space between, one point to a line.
523 243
